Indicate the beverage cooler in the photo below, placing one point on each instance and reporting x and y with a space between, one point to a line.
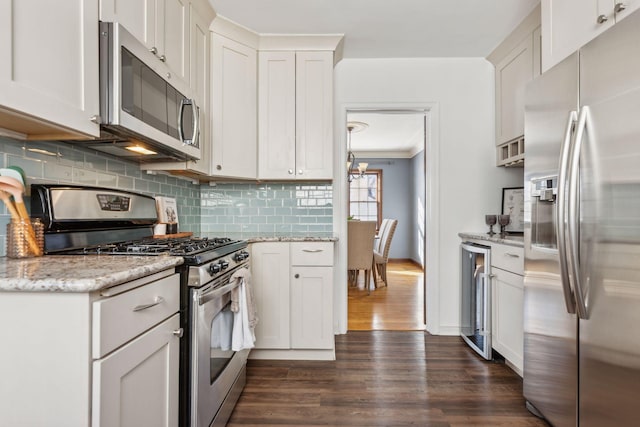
475 290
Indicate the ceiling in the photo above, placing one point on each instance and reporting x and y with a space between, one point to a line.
388 134
388 29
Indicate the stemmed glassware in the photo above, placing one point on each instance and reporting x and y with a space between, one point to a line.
490 220
503 220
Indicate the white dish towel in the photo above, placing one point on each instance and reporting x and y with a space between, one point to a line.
244 313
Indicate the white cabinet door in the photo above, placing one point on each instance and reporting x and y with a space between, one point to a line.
137 385
234 114
161 25
270 280
172 35
314 115
312 308
508 300
49 67
567 25
199 81
138 17
512 75
276 115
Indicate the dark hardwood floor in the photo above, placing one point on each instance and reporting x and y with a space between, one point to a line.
385 378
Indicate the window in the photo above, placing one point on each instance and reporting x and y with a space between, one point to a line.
365 197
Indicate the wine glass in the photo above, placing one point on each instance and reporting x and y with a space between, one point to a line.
503 220
490 220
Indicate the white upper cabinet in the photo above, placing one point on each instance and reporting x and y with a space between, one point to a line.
517 61
49 69
295 116
512 75
234 108
569 24
314 115
199 68
162 25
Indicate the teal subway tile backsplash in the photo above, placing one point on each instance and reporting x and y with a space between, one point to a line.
73 164
269 209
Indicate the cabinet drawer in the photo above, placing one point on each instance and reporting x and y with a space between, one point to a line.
312 253
118 319
509 258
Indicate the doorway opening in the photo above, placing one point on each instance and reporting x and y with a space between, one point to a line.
389 183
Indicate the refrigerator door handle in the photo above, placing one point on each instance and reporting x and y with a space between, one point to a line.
573 214
561 223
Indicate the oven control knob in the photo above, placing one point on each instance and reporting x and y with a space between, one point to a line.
224 264
241 256
214 268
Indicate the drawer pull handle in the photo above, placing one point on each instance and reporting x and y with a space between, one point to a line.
178 332
156 301
512 255
313 251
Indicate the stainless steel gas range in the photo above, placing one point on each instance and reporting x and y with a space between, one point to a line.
98 221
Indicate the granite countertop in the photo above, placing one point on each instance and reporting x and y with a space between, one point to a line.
509 239
292 239
252 237
78 273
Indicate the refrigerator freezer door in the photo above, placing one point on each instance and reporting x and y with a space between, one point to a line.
550 358
610 227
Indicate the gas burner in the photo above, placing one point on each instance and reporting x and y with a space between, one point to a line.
181 246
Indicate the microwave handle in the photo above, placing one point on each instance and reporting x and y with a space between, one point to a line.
196 122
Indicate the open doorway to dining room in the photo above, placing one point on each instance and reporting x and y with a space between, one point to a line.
387 180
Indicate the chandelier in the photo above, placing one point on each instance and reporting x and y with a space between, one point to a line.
354 172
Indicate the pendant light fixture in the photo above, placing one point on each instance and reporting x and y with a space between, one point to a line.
354 172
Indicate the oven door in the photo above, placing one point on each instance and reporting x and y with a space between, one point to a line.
214 366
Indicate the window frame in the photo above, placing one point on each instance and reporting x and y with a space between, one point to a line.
378 173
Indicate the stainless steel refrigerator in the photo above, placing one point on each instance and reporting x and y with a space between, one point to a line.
582 235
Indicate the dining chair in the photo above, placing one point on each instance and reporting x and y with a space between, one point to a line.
360 239
381 256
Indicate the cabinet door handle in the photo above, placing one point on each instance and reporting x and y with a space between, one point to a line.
313 251
156 301
620 7
297 276
163 58
290 171
602 19
299 171
178 332
512 255
154 50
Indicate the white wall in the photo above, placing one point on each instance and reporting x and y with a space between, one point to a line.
462 181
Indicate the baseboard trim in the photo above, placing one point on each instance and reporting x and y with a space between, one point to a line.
276 354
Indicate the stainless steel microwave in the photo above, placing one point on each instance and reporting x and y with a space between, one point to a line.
144 108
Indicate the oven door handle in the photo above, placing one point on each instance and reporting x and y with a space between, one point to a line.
217 292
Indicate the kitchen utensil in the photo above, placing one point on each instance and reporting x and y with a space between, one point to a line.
23 177
12 173
6 198
16 188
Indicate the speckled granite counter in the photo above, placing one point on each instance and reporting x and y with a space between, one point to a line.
511 240
279 237
77 273
291 239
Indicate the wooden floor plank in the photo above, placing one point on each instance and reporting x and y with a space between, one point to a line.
385 378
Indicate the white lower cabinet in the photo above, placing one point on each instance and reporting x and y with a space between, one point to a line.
293 290
137 385
507 316
311 307
97 359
